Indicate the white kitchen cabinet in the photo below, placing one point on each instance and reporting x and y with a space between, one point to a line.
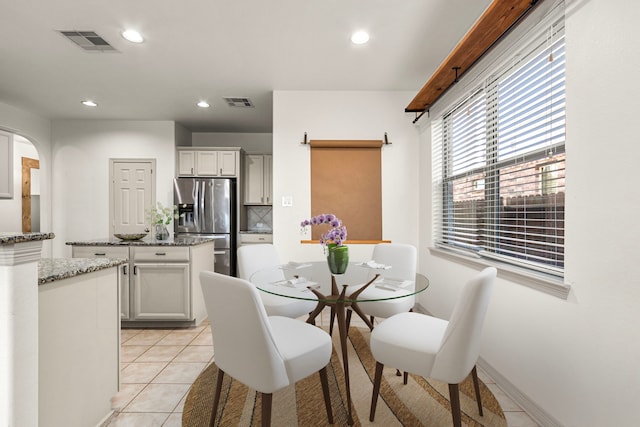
186 163
258 188
207 163
161 291
159 284
222 163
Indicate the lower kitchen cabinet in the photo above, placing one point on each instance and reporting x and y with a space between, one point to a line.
159 285
161 292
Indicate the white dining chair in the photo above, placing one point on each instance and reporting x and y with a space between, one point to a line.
255 257
265 353
402 258
436 348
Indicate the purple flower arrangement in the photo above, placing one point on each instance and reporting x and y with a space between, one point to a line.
337 234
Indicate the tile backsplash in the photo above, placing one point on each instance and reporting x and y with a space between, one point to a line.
259 218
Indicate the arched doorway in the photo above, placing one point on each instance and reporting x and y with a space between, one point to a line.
20 206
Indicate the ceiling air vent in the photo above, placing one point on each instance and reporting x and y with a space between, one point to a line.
239 102
88 40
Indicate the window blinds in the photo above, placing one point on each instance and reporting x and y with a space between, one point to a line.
499 161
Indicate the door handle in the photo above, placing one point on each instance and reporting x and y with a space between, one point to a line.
219 252
100 254
161 253
135 270
124 269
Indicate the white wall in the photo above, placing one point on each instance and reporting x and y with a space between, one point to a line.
342 115
37 130
258 143
577 360
81 153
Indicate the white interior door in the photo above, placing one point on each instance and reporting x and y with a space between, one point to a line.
133 192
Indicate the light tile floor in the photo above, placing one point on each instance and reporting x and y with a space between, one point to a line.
159 365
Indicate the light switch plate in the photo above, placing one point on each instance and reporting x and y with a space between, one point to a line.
287 201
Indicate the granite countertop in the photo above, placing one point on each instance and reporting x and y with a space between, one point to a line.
147 241
52 269
17 237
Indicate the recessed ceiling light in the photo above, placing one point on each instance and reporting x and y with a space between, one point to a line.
89 103
133 36
360 37
203 104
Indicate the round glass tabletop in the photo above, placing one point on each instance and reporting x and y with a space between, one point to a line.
312 281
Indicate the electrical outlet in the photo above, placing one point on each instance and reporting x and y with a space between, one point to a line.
287 201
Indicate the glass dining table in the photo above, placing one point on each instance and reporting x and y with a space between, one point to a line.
312 281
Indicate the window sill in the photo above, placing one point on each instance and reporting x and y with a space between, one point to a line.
538 281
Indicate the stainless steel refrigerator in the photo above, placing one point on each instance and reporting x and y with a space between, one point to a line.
207 208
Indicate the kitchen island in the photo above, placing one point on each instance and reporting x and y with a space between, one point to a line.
159 281
78 340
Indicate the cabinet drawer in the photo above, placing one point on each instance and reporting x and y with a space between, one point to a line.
255 238
161 253
100 252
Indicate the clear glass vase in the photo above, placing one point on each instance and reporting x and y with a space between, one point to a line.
162 233
337 258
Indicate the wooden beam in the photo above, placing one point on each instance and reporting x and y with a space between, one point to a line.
27 165
494 22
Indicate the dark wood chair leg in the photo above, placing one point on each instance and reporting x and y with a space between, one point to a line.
349 313
405 378
324 380
476 386
216 398
267 399
371 319
332 317
454 397
376 390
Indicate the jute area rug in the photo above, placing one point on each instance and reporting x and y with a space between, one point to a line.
419 403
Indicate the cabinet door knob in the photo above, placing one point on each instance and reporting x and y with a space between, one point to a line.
124 269
135 270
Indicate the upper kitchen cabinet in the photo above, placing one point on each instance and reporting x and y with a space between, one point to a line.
257 180
208 162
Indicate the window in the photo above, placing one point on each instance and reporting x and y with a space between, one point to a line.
499 162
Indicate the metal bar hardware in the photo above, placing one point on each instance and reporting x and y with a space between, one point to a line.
100 254
135 270
161 253
124 269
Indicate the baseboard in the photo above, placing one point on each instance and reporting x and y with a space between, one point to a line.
538 414
107 419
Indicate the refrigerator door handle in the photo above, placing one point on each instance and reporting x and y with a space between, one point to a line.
196 205
202 201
